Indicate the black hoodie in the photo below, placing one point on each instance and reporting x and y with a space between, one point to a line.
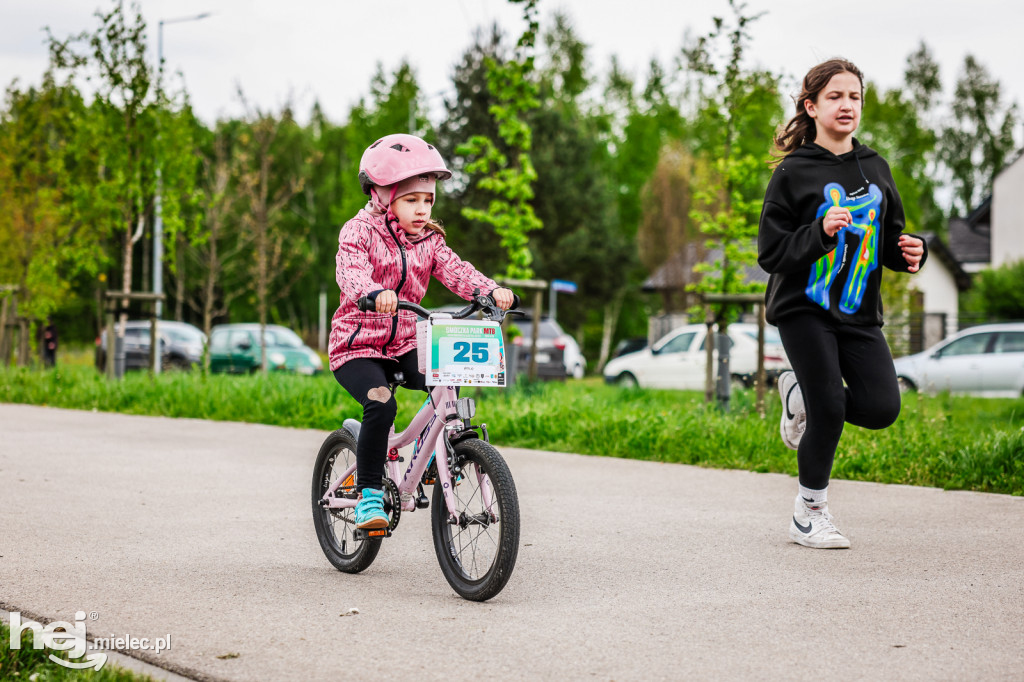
837 277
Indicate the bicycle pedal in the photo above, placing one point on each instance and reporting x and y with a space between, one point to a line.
369 533
422 502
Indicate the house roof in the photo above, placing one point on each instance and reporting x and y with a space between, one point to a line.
677 271
938 249
970 237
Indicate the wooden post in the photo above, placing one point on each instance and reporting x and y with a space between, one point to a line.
113 298
758 301
538 285
154 343
5 345
109 355
761 379
709 346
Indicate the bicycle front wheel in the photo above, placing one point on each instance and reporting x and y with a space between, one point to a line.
335 528
477 550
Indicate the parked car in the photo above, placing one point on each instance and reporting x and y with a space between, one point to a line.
677 360
631 345
181 345
550 340
236 349
987 360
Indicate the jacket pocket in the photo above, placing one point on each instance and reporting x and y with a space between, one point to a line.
353 337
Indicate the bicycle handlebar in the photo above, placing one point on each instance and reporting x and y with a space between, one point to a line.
478 302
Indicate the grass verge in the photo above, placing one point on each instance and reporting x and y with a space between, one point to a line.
946 442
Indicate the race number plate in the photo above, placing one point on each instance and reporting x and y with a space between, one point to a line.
464 353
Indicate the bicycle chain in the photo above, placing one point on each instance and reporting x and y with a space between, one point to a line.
396 502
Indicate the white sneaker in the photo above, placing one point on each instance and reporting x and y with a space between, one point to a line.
813 527
794 415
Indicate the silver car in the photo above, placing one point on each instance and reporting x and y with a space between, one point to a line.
987 360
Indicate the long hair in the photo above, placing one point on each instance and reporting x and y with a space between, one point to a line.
800 130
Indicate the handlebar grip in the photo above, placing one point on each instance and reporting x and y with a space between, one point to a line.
365 304
515 301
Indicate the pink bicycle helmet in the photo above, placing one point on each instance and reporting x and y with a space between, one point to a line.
396 157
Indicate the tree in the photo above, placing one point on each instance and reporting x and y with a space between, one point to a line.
737 111
998 293
736 115
47 243
976 144
278 256
216 251
581 239
509 178
122 127
892 126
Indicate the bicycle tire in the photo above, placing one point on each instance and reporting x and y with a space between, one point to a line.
346 553
476 560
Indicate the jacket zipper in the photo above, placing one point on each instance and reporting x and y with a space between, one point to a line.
401 283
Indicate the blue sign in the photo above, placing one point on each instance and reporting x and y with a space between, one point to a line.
563 286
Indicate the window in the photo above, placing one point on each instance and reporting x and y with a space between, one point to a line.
678 344
241 338
219 341
972 344
1009 342
731 343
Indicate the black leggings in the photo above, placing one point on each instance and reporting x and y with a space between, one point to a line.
824 353
367 380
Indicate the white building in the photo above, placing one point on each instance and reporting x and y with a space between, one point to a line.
1007 232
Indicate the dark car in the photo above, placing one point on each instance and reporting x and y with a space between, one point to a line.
235 349
558 354
181 345
631 345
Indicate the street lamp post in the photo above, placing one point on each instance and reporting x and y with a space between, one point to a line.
158 222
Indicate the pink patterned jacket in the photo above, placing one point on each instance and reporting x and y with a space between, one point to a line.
373 256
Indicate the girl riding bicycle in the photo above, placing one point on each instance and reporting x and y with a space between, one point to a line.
388 250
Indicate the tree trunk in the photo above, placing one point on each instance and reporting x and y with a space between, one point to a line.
611 319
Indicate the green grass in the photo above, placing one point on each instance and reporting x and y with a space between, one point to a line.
27 664
947 442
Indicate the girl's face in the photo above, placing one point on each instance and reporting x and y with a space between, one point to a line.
413 211
836 110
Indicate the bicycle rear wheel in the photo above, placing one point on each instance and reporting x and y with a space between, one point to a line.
335 528
478 552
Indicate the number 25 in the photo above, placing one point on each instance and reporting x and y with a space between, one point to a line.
462 352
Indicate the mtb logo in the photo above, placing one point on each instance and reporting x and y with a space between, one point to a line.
59 636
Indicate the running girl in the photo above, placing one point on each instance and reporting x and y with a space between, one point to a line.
831 217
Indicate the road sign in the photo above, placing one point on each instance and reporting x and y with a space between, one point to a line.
563 286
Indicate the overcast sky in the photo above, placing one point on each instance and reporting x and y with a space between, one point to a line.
304 50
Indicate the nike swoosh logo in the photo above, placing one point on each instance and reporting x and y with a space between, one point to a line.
790 415
802 529
808 500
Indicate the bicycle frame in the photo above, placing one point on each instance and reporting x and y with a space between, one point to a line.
430 422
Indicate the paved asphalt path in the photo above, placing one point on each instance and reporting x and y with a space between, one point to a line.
627 570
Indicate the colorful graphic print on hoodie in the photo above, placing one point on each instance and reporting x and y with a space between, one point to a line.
866 211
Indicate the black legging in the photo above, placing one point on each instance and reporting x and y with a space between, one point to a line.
823 354
367 380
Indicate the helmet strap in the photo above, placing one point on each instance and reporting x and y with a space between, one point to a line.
391 199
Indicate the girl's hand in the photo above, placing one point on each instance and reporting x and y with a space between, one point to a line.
835 219
387 301
503 297
913 250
